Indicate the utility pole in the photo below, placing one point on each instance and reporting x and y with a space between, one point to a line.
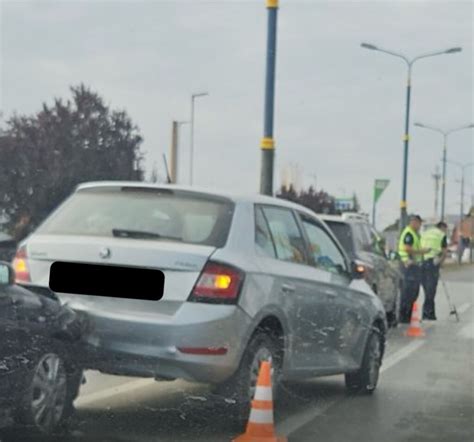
463 168
174 153
268 144
437 177
445 135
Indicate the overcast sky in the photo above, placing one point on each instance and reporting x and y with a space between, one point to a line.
339 108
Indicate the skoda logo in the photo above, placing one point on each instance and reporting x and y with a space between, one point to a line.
104 253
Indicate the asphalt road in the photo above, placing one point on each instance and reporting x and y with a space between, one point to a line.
425 394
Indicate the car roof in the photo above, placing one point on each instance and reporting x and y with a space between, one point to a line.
343 219
336 218
235 197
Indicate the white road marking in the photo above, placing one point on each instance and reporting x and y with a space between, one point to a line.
298 420
464 308
401 354
113 391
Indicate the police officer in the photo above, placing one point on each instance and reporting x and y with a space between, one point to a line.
411 254
434 239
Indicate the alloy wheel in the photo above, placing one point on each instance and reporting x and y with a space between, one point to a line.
49 387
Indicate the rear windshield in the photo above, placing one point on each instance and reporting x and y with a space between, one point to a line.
170 215
343 233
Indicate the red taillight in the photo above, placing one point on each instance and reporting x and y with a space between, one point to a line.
218 282
20 265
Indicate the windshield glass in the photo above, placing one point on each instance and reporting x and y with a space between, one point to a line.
128 213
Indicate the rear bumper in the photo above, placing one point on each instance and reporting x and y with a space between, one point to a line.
145 348
127 364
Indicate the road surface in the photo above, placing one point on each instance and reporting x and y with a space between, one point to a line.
425 394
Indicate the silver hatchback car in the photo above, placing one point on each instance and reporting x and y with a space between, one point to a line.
246 278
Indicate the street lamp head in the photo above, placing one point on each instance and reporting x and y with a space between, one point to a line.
453 50
369 46
419 125
201 94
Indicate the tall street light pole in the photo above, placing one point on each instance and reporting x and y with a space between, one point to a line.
445 149
268 145
191 154
406 136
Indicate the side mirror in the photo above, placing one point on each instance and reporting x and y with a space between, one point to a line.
7 274
358 269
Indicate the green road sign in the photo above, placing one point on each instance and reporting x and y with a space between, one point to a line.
379 187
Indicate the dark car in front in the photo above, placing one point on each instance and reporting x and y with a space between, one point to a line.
39 378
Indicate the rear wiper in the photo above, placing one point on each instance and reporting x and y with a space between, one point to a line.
141 234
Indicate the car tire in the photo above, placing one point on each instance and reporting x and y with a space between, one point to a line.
239 390
364 380
47 403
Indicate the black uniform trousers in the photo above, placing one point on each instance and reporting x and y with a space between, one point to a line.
429 281
410 291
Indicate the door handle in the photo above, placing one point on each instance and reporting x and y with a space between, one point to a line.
287 288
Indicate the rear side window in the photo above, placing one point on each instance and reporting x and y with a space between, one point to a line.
289 242
263 237
375 244
325 253
178 216
361 237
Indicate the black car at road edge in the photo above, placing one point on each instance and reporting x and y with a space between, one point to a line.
39 379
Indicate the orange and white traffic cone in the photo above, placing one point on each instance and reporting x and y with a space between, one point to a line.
415 330
260 427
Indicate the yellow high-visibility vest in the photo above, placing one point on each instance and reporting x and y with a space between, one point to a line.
416 245
432 239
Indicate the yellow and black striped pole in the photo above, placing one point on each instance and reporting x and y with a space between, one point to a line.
268 144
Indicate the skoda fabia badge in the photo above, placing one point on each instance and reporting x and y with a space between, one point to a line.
104 253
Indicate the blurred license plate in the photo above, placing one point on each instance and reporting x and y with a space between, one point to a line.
107 280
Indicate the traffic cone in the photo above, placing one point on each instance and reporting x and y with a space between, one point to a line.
415 330
260 427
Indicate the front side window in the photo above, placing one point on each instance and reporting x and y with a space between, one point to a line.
289 242
325 253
